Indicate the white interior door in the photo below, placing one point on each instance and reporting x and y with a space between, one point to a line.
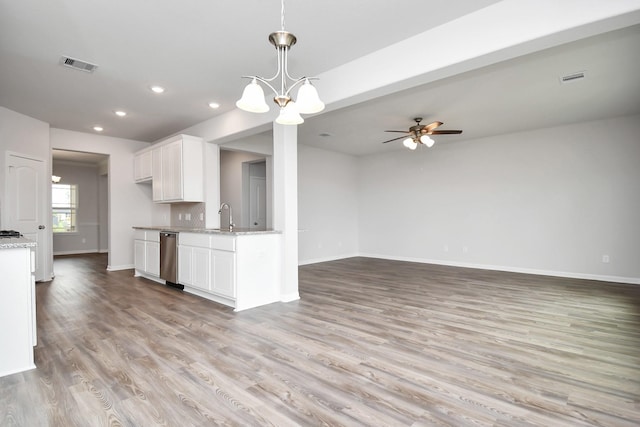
26 203
257 202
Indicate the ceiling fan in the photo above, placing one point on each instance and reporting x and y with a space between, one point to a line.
419 134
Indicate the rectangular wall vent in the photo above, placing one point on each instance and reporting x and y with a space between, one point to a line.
569 78
77 64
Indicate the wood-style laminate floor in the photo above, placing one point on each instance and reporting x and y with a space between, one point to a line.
371 342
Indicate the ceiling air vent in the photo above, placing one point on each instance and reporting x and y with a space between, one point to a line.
77 64
570 78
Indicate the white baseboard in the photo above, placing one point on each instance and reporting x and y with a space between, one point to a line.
331 258
290 297
570 275
120 267
86 251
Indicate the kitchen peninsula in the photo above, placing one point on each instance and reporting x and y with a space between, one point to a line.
239 268
17 305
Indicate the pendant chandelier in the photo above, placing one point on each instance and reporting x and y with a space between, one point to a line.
307 102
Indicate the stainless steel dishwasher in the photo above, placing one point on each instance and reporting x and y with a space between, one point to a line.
169 258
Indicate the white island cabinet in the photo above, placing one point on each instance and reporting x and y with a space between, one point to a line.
240 270
17 305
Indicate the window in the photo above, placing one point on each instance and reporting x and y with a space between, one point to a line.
64 204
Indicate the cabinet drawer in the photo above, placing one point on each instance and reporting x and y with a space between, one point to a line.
150 235
194 239
223 243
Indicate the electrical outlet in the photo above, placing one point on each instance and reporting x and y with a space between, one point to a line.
465 249
187 217
201 216
179 217
605 259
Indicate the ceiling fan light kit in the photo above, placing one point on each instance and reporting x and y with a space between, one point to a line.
420 134
308 101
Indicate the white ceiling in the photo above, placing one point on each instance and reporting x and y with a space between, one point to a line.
516 95
198 49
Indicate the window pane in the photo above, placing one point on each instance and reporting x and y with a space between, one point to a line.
64 205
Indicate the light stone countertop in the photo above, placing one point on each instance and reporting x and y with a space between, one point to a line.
237 231
16 242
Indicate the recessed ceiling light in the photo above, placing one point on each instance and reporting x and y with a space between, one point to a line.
214 105
157 89
98 128
121 113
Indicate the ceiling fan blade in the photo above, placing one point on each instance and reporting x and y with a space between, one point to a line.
431 126
394 139
401 131
445 132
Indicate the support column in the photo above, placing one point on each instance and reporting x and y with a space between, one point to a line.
285 205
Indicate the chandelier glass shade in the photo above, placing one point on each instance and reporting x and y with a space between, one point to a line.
282 85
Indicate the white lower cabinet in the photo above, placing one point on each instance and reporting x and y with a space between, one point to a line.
208 266
202 267
147 253
223 281
194 267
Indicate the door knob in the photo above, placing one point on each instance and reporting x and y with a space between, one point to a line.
41 227
255 223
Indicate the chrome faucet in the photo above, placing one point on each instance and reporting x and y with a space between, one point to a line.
228 206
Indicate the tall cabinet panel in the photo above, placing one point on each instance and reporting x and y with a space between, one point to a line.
172 171
16 310
156 182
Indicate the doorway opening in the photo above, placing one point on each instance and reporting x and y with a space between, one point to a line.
246 184
88 174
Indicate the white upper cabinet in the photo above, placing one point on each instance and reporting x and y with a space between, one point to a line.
176 168
143 166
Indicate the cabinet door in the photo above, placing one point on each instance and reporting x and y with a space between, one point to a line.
185 263
224 279
143 165
202 268
152 255
172 171
139 255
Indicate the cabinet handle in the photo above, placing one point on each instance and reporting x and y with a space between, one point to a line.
41 227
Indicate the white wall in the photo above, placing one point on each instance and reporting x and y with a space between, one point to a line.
130 204
86 239
550 201
327 205
25 135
